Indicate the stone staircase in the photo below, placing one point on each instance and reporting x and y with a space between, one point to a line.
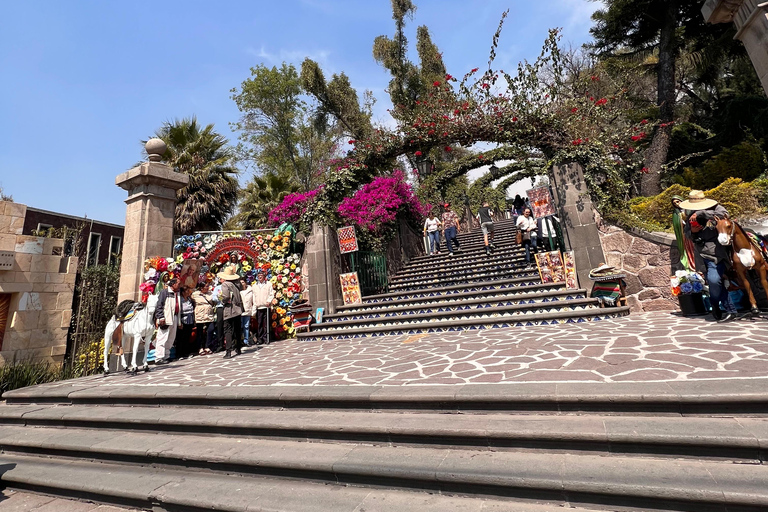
526 448
467 291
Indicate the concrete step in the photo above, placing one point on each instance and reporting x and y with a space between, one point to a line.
467 250
461 266
520 295
453 322
731 397
575 477
743 439
482 313
489 274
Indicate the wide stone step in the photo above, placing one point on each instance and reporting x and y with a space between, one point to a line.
161 489
457 289
475 250
585 313
555 477
438 280
509 260
520 295
744 439
484 312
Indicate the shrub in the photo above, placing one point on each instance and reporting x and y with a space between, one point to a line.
745 160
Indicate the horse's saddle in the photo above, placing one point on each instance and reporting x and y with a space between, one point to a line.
124 311
759 242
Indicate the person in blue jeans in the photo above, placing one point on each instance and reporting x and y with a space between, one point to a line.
432 228
712 259
527 225
450 229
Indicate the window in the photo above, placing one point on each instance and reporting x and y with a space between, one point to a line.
92 254
43 227
115 244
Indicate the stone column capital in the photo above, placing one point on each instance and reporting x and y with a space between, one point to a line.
720 11
151 173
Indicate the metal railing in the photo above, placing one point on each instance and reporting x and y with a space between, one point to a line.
371 268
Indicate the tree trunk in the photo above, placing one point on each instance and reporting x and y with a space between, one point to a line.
656 155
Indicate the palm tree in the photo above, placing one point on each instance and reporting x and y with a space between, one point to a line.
259 197
201 153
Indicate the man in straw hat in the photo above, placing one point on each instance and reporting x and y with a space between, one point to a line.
233 309
712 259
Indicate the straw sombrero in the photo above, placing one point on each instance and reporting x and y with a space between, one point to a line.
228 274
697 201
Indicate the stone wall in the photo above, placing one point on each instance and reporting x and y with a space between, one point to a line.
41 286
646 258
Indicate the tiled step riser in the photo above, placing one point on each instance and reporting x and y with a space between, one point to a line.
470 287
485 276
502 323
461 272
456 307
480 315
450 266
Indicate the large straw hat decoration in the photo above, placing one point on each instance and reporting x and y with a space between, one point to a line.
697 201
228 274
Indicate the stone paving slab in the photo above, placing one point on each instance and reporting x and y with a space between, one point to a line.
658 347
18 501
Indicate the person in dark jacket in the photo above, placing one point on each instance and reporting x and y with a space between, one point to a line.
233 310
712 259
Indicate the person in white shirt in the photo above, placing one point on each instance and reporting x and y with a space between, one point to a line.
432 228
263 294
527 224
246 293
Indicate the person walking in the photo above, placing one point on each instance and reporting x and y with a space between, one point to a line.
711 258
527 225
246 294
232 310
485 215
263 295
166 320
451 227
432 229
204 319
518 204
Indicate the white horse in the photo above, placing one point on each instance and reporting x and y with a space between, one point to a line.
137 329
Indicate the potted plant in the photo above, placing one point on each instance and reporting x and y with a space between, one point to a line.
688 287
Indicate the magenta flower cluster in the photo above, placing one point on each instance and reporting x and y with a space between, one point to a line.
377 204
292 207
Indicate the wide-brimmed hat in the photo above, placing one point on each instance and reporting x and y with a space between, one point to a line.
697 201
228 274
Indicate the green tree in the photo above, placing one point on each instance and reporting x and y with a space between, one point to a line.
202 154
279 131
632 28
261 195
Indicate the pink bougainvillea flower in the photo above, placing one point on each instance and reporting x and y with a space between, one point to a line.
418 153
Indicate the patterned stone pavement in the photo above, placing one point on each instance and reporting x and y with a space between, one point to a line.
18 501
638 348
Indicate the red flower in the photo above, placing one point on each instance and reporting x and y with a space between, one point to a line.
644 170
485 86
448 148
418 153
352 142
514 119
574 110
448 77
631 150
474 70
577 142
480 157
595 78
601 101
644 121
436 83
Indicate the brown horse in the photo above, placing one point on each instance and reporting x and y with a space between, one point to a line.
746 256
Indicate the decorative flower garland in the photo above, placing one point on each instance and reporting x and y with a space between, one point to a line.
251 253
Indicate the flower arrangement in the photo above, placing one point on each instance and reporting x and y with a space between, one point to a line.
684 282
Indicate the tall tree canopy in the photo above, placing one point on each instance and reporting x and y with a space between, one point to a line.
201 153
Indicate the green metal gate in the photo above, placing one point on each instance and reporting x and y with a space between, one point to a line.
371 268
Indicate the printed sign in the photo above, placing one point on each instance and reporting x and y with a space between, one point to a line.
347 239
551 268
571 279
541 201
190 272
350 288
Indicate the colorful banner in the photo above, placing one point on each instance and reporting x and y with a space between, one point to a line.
571 279
350 288
541 201
347 239
551 268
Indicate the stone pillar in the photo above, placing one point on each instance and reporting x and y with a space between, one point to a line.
149 216
751 20
577 217
323 262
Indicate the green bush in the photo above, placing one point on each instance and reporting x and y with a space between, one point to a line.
20 374
745 161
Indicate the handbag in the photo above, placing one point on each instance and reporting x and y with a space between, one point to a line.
519 237
527 236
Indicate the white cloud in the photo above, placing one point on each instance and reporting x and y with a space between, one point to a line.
578 15
284 55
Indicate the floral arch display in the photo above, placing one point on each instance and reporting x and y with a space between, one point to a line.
199 257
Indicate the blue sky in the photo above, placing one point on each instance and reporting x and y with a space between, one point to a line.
84 81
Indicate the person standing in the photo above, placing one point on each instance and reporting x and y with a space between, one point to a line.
186 323
232 310
166 320
684 243
547 234
246 294
485 215
432 230
712 259
451 228
263 294
219 320
204 319
527 225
